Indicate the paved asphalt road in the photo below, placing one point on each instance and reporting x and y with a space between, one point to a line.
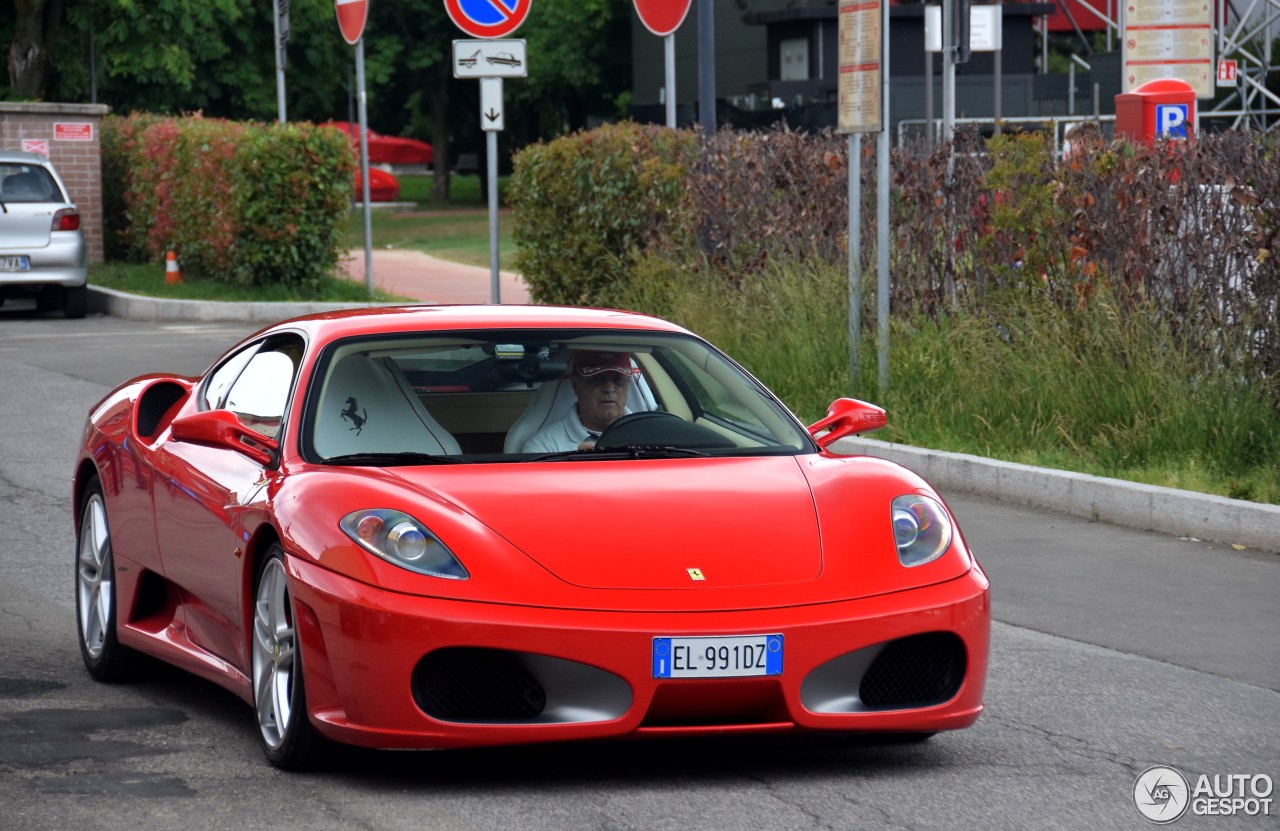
1113 650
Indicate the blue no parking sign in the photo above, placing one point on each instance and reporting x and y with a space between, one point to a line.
487 18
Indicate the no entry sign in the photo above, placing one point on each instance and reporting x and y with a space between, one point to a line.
662 17
352 15
487 18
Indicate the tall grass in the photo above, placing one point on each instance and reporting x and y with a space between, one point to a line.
1087 389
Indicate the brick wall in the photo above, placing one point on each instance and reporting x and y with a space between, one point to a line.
71 132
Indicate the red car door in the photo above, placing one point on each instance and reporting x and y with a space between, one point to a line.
208 500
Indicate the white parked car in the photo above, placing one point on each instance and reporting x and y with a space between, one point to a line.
42 250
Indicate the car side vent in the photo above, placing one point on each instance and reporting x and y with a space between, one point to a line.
918 671
153 405
468 684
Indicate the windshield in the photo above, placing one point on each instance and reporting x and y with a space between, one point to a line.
532 396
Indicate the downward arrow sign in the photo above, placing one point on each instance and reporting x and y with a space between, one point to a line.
491 118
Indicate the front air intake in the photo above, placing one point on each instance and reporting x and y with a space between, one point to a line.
467 684
918 671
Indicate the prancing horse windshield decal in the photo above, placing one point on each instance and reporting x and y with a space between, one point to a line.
357 419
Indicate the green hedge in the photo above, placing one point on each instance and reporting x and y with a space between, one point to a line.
587 204
244 203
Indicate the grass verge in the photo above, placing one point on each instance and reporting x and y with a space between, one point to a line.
1089 390
148 280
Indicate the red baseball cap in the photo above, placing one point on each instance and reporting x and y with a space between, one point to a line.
588 362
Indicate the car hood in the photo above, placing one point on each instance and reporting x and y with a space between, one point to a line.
648 524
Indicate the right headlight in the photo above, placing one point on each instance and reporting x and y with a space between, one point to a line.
401 540
921 529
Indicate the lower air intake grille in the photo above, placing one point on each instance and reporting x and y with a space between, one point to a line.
468 684
915 672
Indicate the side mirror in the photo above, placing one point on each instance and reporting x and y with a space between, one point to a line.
847 417
222 428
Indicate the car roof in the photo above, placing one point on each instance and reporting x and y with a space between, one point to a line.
24 157
330 326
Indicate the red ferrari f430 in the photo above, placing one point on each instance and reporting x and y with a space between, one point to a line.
436 527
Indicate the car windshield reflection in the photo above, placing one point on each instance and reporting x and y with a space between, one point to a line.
520 395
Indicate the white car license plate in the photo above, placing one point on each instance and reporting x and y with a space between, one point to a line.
717 657
20 263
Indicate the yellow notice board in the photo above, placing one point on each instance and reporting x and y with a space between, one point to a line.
860 87
1169 39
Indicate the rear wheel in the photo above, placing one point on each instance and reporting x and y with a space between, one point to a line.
289 740
103 655
75 301
47 299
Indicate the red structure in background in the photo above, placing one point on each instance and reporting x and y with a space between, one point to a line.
383 186
388 149
1059 21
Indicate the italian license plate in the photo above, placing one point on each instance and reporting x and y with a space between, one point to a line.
20 263
734 656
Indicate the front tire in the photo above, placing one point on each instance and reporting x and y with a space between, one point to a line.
288 738
102 653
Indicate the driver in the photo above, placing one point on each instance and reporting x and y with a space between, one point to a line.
601 381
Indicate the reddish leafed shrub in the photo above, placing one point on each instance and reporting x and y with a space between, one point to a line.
239 202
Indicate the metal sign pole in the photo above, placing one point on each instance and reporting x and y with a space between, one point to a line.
669 59
707 66
882 206
491 147
855 257
280 21
364 166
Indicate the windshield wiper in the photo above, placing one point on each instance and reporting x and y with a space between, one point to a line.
626 451
393 459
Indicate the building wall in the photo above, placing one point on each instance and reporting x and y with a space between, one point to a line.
747 62
71 132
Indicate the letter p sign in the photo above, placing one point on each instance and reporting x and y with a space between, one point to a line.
1171 121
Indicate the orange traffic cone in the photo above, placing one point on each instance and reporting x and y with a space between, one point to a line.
172 276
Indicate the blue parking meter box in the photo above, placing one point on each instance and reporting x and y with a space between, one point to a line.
1164 108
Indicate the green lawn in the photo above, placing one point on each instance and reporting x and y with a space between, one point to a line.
458 232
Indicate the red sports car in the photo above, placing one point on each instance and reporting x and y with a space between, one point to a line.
407 528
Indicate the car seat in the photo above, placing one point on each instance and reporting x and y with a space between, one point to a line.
368 406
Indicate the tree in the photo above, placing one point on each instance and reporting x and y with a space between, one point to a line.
217 57
35 28
212 56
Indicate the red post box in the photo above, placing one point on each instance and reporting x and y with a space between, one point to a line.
1163 108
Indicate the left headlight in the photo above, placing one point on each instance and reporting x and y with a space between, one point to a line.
921 529
403 541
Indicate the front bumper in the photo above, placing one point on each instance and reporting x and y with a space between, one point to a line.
370 657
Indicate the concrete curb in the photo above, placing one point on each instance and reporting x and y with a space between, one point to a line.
137 307
1145 507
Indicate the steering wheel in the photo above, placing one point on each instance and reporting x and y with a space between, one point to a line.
657 428
646 427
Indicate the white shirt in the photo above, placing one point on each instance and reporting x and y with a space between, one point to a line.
564 434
